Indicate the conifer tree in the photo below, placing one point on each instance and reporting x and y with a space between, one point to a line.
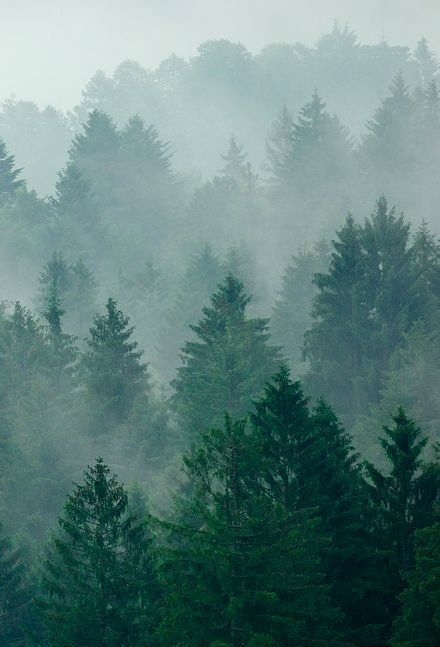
8 175
309 463
426 62
95 152
226 365
403 499
76 214
388 146
112 369
98 581
321 147
405 496
15 595
239 570
279 149
418 624
334 343
291 316
236 168
61 345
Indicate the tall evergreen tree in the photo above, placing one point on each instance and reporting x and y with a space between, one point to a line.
291 316
418 624
226 365
8 175
76 214
16 609
240 571
334 343
403 500
309 462
279 149
98 580
389 144
112 369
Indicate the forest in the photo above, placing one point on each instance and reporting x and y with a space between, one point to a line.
220 353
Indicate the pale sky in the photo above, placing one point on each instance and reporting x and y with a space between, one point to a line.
50 48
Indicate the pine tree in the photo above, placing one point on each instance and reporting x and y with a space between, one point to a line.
95 152
388 146
149 186
279 149
61 345
426 62
403 500
8 175
321 147
98 580
195 287
334 344
112 369
239 571
291 316
405 496
226 365
418 624
76 214
309 463
236 168
15 595
388 281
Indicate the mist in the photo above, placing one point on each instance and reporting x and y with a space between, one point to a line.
219 323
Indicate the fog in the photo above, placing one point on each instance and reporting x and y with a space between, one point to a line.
219 324
51 48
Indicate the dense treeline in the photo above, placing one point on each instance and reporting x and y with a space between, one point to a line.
277 428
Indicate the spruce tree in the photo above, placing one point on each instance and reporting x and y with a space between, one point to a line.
291 316
195 286
98 582
240 570
404 496
388 146
16 610
113 373
403 501
418 624
8 175
335 342
76 213
309 463
279 150
226 365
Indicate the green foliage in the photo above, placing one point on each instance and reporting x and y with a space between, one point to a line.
226 365
99 577
112 371
240 570
309 463
15 595
418 624
8 175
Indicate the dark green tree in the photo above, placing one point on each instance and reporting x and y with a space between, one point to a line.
16 604
387 149
291 316
226 365
239 571
76 214
8 175
403 499
335 342
113 373
98 582
418 624
309 463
